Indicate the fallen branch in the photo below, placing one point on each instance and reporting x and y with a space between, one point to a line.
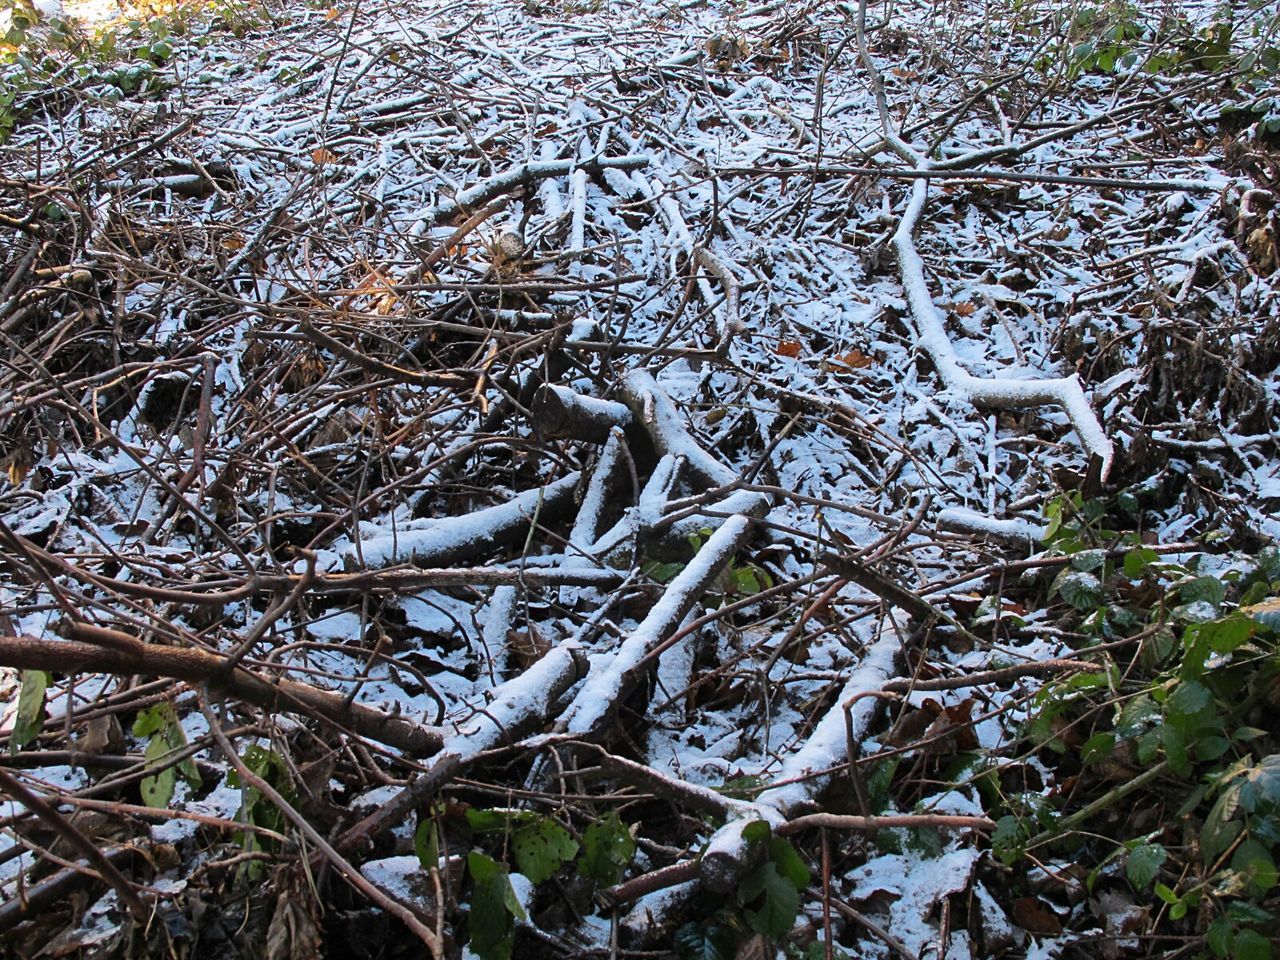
452 540
115 652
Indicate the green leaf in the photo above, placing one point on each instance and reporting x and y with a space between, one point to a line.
157 790
1165 894
1098 747
1137 716
1089 560
1259 786
29 717
1254 861
1211 748
497 821
1209 590
789 863
494 908
1082 590
1220 830
694 941
1243 912
1219 937
745 581
778 900
1008 839
607 849
1188 699
542 848
757 831
1226 635
1174 742
1144 863
1251 945
426 844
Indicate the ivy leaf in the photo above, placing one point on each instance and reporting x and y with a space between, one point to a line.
1144 863
607 848
778 897
30 715
494 908
542 848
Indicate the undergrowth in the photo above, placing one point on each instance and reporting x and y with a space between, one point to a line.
1168 762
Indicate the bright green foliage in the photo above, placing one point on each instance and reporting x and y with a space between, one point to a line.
30 714
607 849
160 724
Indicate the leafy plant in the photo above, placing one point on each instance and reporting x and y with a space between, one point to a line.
540 847
494 908
766 901
160 724
1184 709
255 808
30 714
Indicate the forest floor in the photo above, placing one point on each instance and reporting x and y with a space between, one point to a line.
638 478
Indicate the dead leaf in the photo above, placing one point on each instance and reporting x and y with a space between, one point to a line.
787 348
1033 916
294 933
322 155
105 735
964 309
18 465
855 360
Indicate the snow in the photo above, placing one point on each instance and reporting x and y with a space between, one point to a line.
1001 343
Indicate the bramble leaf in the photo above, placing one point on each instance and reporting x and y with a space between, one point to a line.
1144 863
607 848
541 848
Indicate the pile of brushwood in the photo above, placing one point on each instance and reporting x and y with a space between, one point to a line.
635 478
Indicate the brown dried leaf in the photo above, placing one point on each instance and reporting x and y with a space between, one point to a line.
1033 916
